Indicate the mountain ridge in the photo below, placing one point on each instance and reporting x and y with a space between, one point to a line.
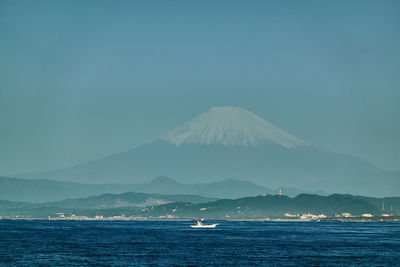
37 191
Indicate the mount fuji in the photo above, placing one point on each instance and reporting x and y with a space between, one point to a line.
233 143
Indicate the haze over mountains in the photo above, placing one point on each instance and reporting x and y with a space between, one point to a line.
233 143
37 191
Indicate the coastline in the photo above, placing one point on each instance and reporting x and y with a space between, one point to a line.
150 219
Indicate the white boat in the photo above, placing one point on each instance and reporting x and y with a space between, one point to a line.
199 224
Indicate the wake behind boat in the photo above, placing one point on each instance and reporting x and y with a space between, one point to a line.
199 224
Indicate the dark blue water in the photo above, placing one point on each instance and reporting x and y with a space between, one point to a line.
30 243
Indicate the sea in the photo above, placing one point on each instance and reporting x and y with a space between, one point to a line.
175 243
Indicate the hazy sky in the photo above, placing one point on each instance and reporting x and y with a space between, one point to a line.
82 79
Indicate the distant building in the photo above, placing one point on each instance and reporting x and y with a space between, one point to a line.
367 215
309 217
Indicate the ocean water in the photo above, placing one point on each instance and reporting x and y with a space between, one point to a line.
125 243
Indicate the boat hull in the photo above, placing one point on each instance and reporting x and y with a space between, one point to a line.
205 226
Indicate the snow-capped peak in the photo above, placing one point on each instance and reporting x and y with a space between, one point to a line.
230 126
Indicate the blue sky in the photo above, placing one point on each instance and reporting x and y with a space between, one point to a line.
82 79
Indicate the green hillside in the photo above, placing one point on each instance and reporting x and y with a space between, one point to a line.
188 206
